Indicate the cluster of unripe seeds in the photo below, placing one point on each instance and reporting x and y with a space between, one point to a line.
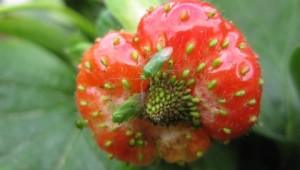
170 101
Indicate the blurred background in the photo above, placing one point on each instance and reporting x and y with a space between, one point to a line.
41 43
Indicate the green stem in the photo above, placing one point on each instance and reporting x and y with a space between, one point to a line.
84 25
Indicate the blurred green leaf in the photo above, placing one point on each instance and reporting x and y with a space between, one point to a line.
220 156
106 22
295 68
272 28
88 8
46 33
78 20
130 12
76 51
37 112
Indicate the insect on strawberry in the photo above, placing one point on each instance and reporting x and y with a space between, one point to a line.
187 76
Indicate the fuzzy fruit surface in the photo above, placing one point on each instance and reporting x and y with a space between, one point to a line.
210 87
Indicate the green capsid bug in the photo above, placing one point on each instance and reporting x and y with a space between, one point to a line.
129 108
156 62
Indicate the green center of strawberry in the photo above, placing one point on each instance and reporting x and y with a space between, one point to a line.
169 101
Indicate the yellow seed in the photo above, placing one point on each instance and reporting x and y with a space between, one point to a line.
116 41
212 13
222 101
87 65
128 133
223 112
147 49
212 84
199 154
189 48
101 125
200 67
135 55
81 87
225 43
103 61
104 98
195 114
108 86
184 15
159 47
185 73
190 82
240 93
135 40
242 46
188 136
253 118
196 100
213 42
132 142
261 81
217 62
108 143
125 84
138 135
95 114
171 63
227 131
110 156
245 70
251 102
167 8
83 103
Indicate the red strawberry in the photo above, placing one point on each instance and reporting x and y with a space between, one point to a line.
109 75
186 73
215 53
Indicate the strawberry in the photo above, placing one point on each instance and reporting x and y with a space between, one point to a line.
187 75
223 68
108 76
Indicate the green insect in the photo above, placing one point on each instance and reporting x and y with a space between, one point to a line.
130 107
156 62
133 105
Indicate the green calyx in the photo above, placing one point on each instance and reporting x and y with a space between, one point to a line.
169 101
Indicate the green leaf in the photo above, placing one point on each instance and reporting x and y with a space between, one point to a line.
37 112
130 12
87 8
295 68
272 30
106 22
220 156
82 23
76 51
46 33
